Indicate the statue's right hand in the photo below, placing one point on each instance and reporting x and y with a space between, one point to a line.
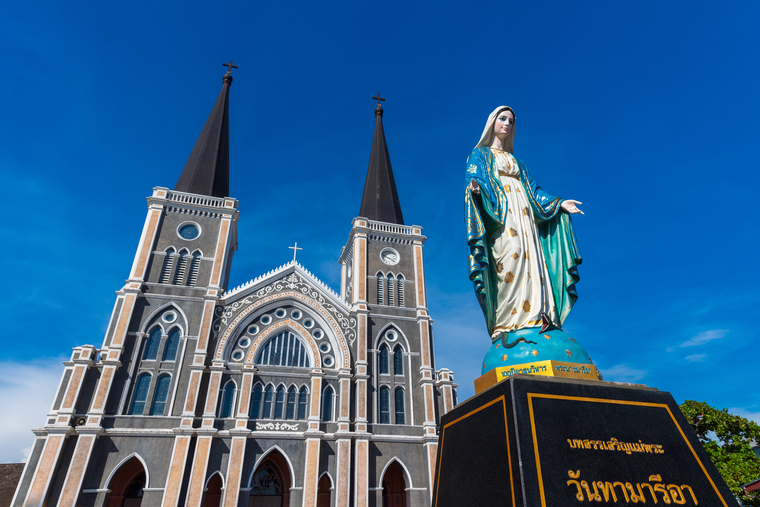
474 187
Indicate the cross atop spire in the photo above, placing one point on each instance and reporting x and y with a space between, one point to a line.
230 67
378 98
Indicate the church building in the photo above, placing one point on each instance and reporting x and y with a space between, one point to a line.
280 392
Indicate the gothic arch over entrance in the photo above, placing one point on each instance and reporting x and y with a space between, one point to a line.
270 484
394 486
127 485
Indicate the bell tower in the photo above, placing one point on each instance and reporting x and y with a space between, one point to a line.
383 280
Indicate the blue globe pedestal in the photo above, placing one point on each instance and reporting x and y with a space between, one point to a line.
529 351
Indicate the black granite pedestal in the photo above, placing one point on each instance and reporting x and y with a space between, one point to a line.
546 442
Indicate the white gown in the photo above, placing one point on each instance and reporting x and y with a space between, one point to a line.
517 259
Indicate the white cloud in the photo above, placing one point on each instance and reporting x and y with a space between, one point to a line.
623 373
696 357
752 416
26 393
704 337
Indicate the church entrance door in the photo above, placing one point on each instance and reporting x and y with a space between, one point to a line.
270 485
323 492
394 486
127 485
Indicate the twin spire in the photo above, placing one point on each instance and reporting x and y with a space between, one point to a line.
207 171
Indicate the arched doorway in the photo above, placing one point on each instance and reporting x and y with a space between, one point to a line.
270 484
213 491
127 485
394 486
323 491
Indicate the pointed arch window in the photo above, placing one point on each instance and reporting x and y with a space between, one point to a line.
228 400
391 290
195 266
327 404
172 344
179 273
380 288
166 268
279 402
141 395
303 403
400 289
255 409
154 341
398 360
160 395
400 413
285 349
266 412
383 360
385 405
290 410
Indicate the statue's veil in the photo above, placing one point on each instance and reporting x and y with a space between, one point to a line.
487 138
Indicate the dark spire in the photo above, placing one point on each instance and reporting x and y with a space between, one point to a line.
207 171
380 200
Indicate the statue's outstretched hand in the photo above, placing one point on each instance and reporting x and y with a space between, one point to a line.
570 206
474 187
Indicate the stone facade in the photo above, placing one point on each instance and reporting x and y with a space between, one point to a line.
278 392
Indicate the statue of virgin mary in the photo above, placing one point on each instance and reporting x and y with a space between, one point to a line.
524 257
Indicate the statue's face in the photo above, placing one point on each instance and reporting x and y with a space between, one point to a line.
503 125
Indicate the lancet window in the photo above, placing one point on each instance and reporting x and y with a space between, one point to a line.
398 360
279 402
327 404
140 395
399 406
385 405
303 403
290 410
380 289
160 395
172 345
285 349
391 290
179 273
195 266
255 409
154 341
228 400
400 289
383 360
166 268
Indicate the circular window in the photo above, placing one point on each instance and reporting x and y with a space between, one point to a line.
169 317
280 313
329 361
391 336
238 355
296 314
189 231
266 319
253 330
318 334
324 347
244 342
308 323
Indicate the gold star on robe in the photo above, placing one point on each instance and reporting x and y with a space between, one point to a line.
509 277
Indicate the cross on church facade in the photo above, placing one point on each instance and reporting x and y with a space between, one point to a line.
295 250
230 67
378 98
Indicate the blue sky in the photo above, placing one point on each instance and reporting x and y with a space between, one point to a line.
645 111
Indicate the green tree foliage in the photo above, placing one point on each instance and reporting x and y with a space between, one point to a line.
727 438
